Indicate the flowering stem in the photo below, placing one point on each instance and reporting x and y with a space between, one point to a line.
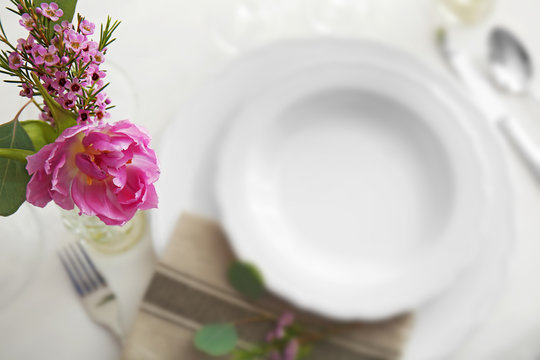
21 110
311 337
3 37
37 105
63 118
254 319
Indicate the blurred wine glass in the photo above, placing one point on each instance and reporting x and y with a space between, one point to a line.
240 24
340 17
20 251
466 12
121 91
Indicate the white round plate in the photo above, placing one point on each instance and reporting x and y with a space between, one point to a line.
352 181
188 161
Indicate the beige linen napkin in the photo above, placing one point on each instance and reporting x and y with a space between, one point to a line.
189 288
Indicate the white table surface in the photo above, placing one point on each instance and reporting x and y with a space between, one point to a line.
166 48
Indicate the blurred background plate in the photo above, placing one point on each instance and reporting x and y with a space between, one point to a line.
188 159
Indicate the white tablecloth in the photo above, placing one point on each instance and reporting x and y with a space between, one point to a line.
165 49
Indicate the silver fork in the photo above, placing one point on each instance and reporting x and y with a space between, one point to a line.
98 299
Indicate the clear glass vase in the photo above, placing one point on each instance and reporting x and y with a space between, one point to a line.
104 238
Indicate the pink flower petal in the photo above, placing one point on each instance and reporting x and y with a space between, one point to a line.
36 161
37 190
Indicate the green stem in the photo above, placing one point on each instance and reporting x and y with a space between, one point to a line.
63 118
261 318
37 105
15 154
21 110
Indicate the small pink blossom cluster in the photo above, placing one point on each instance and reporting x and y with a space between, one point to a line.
66 61
278 334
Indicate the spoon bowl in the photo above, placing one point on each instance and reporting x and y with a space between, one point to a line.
510 63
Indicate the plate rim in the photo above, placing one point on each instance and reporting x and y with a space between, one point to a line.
423 343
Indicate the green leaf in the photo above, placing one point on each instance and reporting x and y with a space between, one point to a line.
67 6
13 174
247 279
216 339
40 132
63 118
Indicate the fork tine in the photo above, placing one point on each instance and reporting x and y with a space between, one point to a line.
87 272
76 271
71 274
92 266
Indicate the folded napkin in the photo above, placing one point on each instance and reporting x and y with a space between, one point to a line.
189 288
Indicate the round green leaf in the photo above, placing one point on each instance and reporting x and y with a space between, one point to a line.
13 174
39 132
247 279
216 339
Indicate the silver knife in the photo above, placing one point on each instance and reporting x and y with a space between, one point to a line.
488 102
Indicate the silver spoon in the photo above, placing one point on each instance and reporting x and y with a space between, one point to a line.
512 71
511 66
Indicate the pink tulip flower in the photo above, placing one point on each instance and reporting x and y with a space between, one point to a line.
106 169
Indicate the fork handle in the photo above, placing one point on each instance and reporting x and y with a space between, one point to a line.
116 330
105 313
108 317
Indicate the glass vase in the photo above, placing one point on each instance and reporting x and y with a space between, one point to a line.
106 239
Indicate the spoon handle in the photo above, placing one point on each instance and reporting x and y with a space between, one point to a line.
526 148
